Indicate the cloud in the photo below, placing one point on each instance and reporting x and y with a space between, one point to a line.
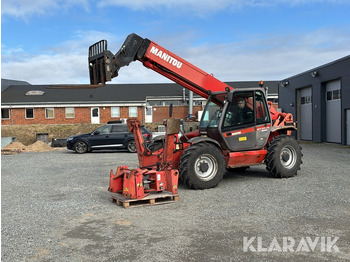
270 58
27 8
273 58
60 64
205 7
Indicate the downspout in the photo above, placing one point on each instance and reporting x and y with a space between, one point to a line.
190 104
11 115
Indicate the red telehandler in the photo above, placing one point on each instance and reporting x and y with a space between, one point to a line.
238 128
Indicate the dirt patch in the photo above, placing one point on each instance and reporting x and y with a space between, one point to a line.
27 134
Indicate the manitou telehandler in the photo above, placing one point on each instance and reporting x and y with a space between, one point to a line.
238 128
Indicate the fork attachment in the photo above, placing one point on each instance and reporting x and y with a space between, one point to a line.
104 65
100 63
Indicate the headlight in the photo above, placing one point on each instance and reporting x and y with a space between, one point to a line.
69 138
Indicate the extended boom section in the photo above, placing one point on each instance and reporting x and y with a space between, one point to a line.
104 66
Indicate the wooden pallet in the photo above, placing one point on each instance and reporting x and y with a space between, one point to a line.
164 197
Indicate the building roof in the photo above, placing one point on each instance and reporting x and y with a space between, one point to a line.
110 93
330 64
5 83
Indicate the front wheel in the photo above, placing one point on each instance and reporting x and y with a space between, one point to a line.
80 147
202 166
283 158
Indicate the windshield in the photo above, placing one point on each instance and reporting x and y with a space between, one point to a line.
211 115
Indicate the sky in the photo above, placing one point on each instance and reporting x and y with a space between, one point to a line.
47 41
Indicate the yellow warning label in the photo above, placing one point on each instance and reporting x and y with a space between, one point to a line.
242 138
126 189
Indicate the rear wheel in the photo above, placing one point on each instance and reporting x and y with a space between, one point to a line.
283 158
202 166
80 147
131 146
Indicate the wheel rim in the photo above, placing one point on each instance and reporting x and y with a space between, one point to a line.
81 147
206 167
132 146
288 157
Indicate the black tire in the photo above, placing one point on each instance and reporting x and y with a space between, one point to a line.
131 146
202 166
81 147
283 158
157 144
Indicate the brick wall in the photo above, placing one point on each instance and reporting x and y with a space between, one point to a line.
82 115
162 112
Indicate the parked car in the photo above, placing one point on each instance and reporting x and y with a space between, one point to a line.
110 136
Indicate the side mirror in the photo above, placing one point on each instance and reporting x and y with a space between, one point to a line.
230 97
96 133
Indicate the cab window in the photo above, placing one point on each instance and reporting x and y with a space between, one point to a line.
240 111
262 113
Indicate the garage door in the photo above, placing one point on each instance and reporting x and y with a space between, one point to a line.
306 113
333 112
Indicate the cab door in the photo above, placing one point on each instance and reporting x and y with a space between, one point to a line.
246 121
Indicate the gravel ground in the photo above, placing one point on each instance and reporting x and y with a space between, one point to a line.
55 207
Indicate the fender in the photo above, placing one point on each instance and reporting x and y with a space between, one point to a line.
201 139
279 128
85 141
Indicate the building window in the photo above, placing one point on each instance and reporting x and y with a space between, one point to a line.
240 111
333 95
5 113
70 112
305 100
49 113
133 111
29 113
115 111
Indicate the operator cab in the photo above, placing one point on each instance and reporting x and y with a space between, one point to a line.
238 120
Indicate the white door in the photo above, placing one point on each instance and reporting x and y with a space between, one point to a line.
95 115
148 114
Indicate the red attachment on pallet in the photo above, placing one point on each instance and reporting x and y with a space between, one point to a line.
150 178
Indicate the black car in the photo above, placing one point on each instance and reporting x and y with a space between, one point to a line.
110 136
